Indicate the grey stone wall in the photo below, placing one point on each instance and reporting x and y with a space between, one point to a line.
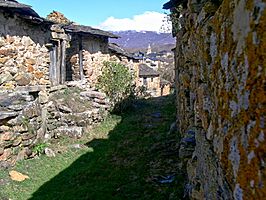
33 115
220 81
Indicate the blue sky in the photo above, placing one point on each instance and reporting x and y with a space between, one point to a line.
96 12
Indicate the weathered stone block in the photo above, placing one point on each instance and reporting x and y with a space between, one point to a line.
5 77
7 114
73 132
93 94
6 155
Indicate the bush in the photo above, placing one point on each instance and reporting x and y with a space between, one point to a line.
117 82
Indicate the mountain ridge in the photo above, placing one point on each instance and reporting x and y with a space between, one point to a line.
140 40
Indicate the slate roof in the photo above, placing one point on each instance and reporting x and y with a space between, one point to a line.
73 28
145 70
118 50
17 7
25 11
174 3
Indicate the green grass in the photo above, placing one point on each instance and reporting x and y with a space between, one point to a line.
131 153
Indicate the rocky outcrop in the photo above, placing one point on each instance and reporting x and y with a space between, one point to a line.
33 115
220 81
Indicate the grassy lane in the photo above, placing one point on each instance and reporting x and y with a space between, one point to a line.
126 157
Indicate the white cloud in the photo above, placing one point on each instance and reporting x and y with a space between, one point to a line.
148 21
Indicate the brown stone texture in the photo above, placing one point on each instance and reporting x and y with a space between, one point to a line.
165 90
24 59
58 17
23 62
221 97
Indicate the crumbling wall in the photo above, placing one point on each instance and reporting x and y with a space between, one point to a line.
221 97
34 115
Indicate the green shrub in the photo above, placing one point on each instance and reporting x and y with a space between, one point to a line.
117 82
39 148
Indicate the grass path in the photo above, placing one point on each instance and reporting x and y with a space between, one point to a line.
126 157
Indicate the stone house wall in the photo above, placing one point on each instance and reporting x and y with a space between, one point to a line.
94 52
24 59
221 98
152 85
165 90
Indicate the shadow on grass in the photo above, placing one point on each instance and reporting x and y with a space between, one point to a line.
135 162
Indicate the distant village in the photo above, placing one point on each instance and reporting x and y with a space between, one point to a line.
54 50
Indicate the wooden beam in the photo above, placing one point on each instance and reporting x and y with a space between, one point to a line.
63 61
80 58
58 64
52 69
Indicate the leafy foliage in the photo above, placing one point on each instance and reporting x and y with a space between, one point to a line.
39 148
116 81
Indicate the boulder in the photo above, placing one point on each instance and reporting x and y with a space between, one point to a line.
6 136
17 176
21 155
43 97
49 152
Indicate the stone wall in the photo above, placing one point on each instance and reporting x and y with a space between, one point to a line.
94 52
34 115
221 97
165 89
24 59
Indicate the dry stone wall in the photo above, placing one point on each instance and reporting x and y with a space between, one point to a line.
92 65
24 59
16 25
34 115
221 97
23 62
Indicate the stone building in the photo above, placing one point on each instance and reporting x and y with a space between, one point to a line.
36 102
126 58
24 56
221 99
165 87
88 49
150 79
